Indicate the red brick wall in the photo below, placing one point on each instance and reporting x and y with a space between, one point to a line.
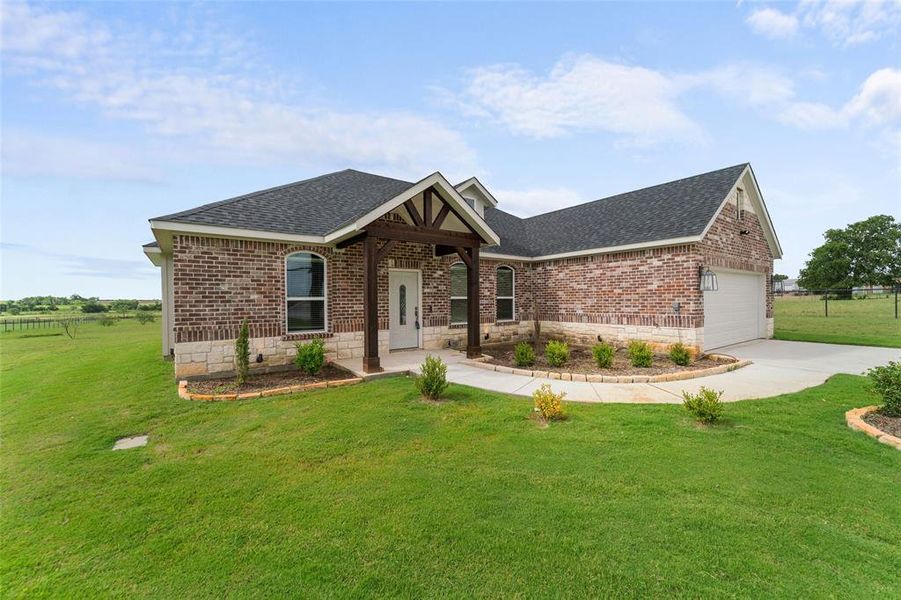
631 288
219 282
725 246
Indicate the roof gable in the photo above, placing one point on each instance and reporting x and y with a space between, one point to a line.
473 187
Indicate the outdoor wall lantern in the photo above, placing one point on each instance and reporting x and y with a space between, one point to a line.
708 280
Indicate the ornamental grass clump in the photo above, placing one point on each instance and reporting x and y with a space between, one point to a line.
679 354
705 405
886 381
310 357
640 354
548 404
242 354
556 353
524 354
603 354
432 380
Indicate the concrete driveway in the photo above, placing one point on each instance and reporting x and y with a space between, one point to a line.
779 368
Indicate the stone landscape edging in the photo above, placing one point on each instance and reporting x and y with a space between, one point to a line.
854 419
289 389
595 378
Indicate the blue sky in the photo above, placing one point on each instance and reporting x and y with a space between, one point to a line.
117 112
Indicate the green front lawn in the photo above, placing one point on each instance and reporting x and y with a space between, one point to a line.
869 322
367 491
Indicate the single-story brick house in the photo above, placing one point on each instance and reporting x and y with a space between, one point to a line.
373 264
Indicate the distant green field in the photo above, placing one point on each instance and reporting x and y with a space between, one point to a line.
869 322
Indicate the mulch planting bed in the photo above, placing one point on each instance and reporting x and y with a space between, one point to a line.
582 361
259 382
889 425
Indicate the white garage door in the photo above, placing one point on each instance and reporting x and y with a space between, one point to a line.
736 312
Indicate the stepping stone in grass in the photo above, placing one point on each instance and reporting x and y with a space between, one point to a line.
130 442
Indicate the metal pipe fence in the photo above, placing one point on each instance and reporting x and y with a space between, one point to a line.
884 294
26 323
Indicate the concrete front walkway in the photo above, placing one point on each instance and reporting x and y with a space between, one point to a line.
779 368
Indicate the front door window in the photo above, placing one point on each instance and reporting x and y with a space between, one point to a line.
403 308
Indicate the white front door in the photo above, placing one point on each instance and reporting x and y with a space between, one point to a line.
403 311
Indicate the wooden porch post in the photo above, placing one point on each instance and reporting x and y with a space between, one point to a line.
370 306
473 331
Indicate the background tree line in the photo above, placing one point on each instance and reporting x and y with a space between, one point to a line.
863 254
75 303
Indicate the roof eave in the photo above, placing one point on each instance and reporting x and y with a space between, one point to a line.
154 254
590 251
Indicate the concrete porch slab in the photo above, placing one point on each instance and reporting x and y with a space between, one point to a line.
401 362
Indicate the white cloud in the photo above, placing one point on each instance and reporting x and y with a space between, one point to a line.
526 203
203 86
878 103
641 105
26 153
773 23
879 99
811 115
842 22
850 22
749 84
580 93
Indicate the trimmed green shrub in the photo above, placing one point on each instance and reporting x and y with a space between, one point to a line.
310 357
886 381
524 354
603 354
242 353
432 380
557 353
679 354
640 354
705 405
549 404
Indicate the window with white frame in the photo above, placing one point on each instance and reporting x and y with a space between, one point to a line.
739 203
506 286
458 293
305 292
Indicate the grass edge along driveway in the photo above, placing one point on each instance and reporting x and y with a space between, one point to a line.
367 491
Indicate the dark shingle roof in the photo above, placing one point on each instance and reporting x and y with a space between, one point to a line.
680 208
321 205
311 207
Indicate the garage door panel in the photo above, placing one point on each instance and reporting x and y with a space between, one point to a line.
733 313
